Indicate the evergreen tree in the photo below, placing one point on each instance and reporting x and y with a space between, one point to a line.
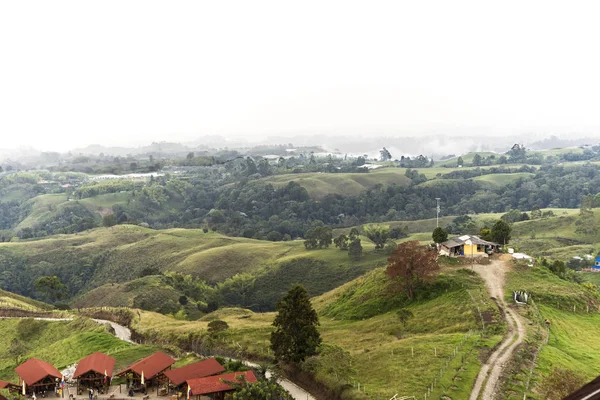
296 336
460 162
501 232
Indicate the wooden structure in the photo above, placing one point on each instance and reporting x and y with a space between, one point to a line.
152 368
39 376
12 387
94 371
178 376
216 386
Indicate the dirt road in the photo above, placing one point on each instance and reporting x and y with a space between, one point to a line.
485 387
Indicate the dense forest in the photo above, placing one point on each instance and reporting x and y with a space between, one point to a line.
227 192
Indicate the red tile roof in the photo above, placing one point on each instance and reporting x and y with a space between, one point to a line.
195 370
214 384
97 362
151 365
34 370
4 384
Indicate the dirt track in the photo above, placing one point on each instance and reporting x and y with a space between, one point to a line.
493 275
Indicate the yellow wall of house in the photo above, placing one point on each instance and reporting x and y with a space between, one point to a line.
473 248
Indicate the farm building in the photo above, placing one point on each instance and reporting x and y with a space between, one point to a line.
94 371
38 376
12 388
217 386
148 372
201 369
467 246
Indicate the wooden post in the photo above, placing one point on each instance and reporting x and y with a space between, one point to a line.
435 351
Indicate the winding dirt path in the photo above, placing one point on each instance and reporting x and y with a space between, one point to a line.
486 385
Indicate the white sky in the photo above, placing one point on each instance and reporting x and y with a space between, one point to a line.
122 72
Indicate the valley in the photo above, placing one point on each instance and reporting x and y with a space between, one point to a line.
168 255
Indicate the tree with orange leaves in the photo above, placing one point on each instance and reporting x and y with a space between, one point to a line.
412 264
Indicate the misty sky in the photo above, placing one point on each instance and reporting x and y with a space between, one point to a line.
128 72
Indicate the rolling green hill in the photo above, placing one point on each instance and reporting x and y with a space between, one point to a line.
319 185
14 301
123 253
360 317
573 313
500 180
467 159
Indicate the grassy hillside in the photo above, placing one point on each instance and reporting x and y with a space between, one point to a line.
499 180
62 343
573 312
555 237
122 253
467 159
42 208
319 185
14 301
360 317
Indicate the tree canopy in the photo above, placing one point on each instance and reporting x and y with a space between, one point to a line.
439 235
411 264
51 288
295 336
378 234
501 232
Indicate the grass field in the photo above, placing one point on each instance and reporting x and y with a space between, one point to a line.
467 159
574 314
360 316
105 201
119 254
500 180
62 343
319 185
42 208
14 301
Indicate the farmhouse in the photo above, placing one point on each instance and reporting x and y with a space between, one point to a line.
201 369
467 246
94 371
217 386
37 376
148 372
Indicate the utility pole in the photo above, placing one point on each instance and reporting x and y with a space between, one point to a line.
437 214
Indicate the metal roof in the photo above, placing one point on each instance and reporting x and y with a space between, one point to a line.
196 370
459 241
151 365
34 370
97 362
214 384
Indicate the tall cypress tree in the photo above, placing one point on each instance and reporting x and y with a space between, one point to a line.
296 336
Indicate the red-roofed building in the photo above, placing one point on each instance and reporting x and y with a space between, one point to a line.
94 371
13 388
217 386
153 368
38 375
201 369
